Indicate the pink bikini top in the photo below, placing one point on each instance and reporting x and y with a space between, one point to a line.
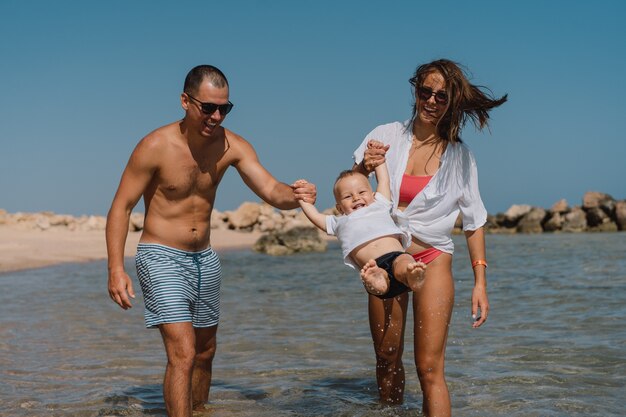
411 186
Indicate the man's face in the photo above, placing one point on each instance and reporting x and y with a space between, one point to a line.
207 93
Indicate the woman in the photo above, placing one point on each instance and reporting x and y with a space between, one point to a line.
433 178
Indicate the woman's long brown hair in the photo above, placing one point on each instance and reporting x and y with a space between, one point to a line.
465 100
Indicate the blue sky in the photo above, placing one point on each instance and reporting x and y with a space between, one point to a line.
83 82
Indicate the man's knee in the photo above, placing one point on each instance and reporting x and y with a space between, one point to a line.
181 357
206 354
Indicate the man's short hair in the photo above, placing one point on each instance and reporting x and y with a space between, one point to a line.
198 74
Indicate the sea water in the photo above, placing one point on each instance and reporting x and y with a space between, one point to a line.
294 340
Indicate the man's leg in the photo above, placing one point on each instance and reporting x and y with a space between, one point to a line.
206 343
179 341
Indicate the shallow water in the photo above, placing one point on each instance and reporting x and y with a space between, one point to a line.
294 339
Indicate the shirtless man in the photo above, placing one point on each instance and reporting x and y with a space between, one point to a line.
177 169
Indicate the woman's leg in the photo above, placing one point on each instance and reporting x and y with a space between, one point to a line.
387 321
432 310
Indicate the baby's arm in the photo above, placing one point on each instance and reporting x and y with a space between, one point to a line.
310 211
382 175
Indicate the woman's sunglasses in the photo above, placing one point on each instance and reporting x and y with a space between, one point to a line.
425 93
209 108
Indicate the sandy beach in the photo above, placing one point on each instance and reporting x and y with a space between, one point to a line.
26 248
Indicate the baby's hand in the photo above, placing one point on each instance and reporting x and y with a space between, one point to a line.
376 144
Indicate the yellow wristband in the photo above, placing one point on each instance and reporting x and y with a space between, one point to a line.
479 262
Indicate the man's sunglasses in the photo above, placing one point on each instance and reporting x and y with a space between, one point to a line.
209 108
425 93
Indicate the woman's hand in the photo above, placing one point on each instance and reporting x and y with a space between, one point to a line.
374 155
480 305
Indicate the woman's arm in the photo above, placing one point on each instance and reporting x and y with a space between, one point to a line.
476 247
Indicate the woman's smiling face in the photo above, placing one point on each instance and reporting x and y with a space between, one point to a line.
431 109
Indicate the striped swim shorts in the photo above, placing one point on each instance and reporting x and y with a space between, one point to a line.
179 286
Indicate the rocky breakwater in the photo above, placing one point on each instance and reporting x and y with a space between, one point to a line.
599 212
284 232
49 221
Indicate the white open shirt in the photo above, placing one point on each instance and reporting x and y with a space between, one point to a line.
431 215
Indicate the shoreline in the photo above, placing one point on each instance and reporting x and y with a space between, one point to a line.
25 248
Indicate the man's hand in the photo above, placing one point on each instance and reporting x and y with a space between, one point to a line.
304 191
120 288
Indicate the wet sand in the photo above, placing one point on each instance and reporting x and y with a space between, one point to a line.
22 248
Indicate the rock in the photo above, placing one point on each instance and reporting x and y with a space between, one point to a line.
510 218
575 221
291 223
42 222
531 222
60 220
560 206
269 219
554 222
492 222
136 222
596 217
245 216
458 223
267 225
604 227
595 199
516 211
219 220
96 223
290 213
296 239
620 214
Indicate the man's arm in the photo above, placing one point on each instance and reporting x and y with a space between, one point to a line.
259 180
135 179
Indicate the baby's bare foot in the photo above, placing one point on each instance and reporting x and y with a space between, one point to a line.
415 274
375 279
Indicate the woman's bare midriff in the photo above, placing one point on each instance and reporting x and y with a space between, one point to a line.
416 244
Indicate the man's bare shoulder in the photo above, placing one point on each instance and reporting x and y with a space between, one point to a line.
238 146
160 138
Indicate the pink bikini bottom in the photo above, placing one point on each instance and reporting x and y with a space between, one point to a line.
427 255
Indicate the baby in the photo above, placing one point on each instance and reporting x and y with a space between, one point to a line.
370 239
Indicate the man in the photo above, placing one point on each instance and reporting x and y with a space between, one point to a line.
177 168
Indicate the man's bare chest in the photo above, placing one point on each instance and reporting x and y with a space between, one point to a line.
186 179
